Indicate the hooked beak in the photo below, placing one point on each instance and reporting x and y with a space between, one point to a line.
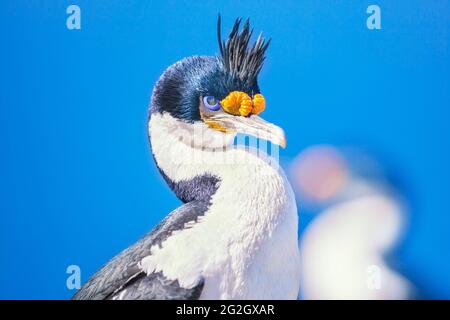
253 125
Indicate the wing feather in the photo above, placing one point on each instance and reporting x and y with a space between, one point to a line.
122 278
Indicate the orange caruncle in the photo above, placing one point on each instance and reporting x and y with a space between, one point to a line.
240 104
259 103
232 103
246 107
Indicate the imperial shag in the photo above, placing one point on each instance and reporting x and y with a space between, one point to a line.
235 236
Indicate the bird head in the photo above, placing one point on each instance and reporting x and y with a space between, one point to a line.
221 93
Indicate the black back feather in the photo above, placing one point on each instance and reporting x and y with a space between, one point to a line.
238 59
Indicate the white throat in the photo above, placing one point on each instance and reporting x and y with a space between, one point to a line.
183 151
252 216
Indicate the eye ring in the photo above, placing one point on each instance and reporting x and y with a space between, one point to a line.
211 103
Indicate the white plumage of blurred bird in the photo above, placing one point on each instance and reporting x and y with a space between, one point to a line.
361 219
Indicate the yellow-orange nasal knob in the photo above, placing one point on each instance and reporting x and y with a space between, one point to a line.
246 107
238 103
259 103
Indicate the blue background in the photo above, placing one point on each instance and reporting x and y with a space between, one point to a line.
77 181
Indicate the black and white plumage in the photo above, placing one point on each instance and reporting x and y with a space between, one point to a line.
236 235
123 278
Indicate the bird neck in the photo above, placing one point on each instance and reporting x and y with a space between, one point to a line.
251 213
196 172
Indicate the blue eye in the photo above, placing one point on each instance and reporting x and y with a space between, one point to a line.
211 103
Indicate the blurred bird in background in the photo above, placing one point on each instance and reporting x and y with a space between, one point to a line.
359 219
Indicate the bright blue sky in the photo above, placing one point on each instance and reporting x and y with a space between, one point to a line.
77 182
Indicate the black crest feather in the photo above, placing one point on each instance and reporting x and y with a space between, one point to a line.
238 59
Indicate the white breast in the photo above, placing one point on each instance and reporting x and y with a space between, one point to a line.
245 246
